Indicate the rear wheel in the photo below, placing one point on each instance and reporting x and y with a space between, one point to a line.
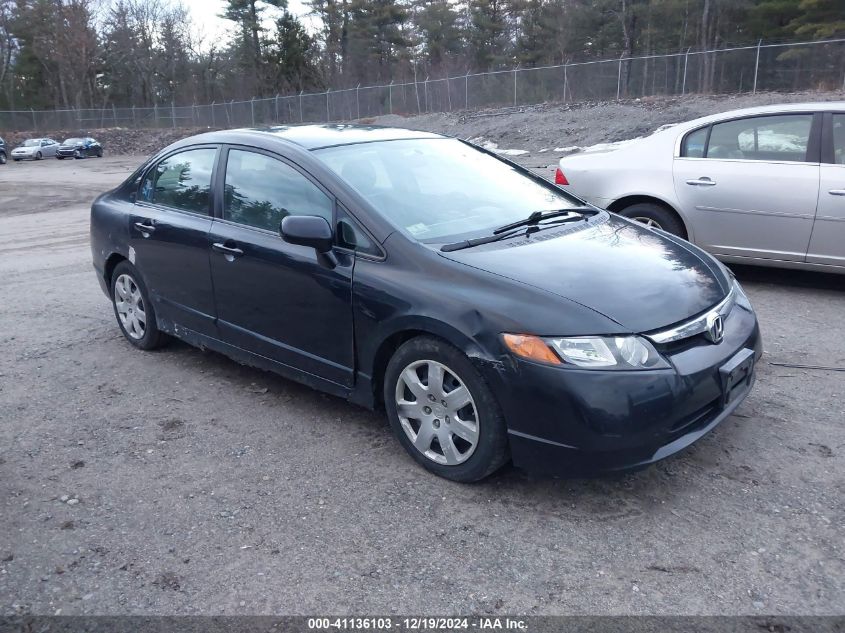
2 158
133 308
443 412
655 216
38 156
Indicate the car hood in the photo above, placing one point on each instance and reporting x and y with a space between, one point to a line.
639 278
72 146
25 150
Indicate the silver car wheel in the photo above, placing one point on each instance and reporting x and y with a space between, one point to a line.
130 306
648 222
437 412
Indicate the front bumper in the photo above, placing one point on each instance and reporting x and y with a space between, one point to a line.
578 422
68 152
22 155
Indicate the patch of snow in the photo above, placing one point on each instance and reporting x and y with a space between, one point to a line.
494 147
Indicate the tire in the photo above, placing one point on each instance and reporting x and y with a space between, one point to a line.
480 419
99 153
59 157
38 156
655 216
17 160
2 158
129 299
77 154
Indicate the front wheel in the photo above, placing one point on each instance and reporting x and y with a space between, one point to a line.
443 412
133 308
38 156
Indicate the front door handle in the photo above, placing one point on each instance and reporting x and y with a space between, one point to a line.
837 192
229 251
146 229
704 181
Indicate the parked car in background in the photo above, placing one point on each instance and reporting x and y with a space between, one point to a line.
763 185
79 147
491 314
2 152
35 149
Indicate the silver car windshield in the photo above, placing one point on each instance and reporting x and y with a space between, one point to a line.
32 143
441 189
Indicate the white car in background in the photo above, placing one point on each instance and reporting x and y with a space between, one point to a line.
35 149
760 186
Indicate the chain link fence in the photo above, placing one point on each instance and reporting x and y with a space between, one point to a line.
818 65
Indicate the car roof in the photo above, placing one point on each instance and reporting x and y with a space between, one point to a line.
774 108
319 136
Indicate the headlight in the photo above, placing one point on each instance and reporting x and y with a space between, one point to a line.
741 298
599 352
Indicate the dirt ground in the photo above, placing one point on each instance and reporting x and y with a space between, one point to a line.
180 482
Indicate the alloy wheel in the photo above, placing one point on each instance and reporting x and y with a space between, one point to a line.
648 222
437 412
130 306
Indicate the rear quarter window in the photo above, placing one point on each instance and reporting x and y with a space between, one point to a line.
694 143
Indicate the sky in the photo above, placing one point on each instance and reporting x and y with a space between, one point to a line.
205 14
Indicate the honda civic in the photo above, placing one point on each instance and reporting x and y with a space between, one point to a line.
492 315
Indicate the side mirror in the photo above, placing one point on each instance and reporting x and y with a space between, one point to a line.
307 230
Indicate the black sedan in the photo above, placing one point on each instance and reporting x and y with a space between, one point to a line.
491 314
82 147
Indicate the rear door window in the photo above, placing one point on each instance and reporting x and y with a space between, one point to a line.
182 181
764 138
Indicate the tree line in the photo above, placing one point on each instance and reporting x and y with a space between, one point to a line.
99 53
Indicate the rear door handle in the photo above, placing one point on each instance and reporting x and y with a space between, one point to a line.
229 251
837 192
145 228
702 182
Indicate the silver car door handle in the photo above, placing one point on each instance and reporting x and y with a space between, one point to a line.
837 192
702 182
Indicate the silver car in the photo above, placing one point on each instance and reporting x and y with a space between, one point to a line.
760 186
35 149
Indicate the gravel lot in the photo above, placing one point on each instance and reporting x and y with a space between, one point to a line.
181 482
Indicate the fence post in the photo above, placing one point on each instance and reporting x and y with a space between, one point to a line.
425 92
619 78
564 83
301 116
514 84
134 123
34 123
155 113
466 91
213 124
756 66
686 60
328 114
449 91
114 114
358 100
252 110
390 95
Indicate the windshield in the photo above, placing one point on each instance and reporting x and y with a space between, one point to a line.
441 189
32 142
74 141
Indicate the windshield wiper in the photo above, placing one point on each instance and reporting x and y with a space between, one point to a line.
506 232
537 216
